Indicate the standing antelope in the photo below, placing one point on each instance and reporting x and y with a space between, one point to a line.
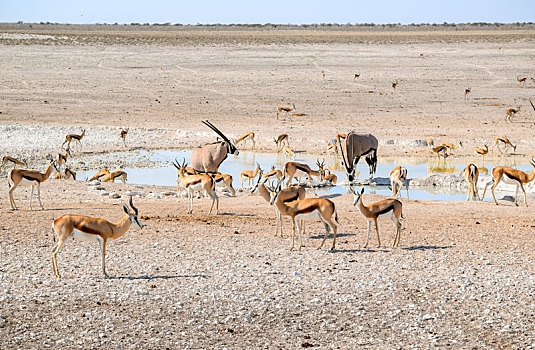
323 74
119 174
282 138
397 175
510 176
466 92
394 84
451 146
372 212
15 162
440 149
89 229
122 135
249 175
62 159
471 174
521 80
285 109
482 151
273 173
505 141
510 113
289 194
208 158
299 170
288 151
357 146
195 183
27 177
357 75
244 137
69 138
306 209
223 180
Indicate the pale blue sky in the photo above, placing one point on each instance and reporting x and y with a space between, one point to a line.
272 11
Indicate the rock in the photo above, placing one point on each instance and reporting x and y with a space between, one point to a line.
115 195
134 193
104 194
169 193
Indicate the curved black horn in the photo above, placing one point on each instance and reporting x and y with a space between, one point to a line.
176 164
132 206
216 130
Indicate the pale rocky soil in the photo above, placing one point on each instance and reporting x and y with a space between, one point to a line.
462 278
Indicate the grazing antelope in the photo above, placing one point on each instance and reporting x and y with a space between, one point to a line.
288 151
207 159
510 176
99 174
119 174
73 137
273 173
521 80
27 177
67 174
285 109
372 212
122 136
244 137
15 162
195 183
306 209
330 177
299 170
482 151
510 113
223 181
466 92
471 174
451 146
394 84
282 138
289 194
357 75
398 176
89 229
249 175
357 146
505 141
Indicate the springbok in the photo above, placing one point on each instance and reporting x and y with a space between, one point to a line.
122 136
85 228
99 174
66 175
471 174
440 149
306 209
357 75
505 141
397 175
243 138
356 146
73 137
510 176
299 170
330 177
482 151
224 181
288 151
195 183
285 109
27 177
273 173
394 84
451 146
248 175
119 174
280 140
62 158
372 212
466 92
510 113
208 158
15 161
521 80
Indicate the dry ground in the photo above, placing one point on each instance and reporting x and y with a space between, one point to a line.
462 278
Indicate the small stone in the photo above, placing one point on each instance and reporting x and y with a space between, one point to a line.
115 195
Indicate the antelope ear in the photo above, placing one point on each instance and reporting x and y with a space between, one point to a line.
125 208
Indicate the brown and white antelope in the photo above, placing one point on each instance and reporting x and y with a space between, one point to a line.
394 84
67 174
99 174
248 175
438 150
398 176
451 146
325 174
280 140
289 194
306 209
196 183
73 137
224 181
287 151
357 75
272 174
89 229
15 161
482 151
510 113
466 92
387 207
521 80
505 141
247 136
122 135
62 158
510 176
119 174
27 177
471 174
285 109
298 170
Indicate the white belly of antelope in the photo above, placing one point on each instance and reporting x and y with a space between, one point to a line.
309 216
508 180
86 237
25 182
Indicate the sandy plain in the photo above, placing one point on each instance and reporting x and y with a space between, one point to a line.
462 278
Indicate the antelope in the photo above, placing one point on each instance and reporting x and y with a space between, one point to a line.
273 173
393 85
466 92
119 174
62 158
521 80
357 75
280 140
323 74
510 113
99 174
249 175
332 178
285 109
122 135
69 138
244 137
471 174
207 159
451 146
195 183
510 176
482 151
15 162
357 146
372 212
332 147
299 170
27 177
306 209
289 194
67 174
505 141
397 175
224 180
438 149
288 151
89 229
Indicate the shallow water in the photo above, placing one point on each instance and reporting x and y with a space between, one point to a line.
166 175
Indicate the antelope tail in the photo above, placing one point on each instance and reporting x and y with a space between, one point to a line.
336 216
